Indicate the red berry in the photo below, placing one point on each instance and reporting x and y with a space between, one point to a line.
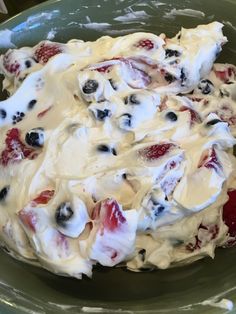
44 197
229 215
194 116
10 63
156 151
46 50
109 213
103 69
147 44
209 160
226 74
28 218
15 150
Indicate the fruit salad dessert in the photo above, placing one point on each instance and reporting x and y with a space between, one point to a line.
118 151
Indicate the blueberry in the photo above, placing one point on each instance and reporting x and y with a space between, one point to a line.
126 120
172 53
102 114
28 63
103 148
205 86
142 254
131 100
35 137
213 122
90 87
106 149
169 78
17 117
157 208
3 113
224 93
63 213
113 85
229 83
32 103
171 116
183 77
4 192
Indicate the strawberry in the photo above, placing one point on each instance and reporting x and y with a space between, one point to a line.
146 44
45 50
28 218
155 151
226 75
15 150
209 160
194 116
103 69
109 213
43 198
229 216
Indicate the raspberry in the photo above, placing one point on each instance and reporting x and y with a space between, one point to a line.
15 150
155 151
46 50
147 44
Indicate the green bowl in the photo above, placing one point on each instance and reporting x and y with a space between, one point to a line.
28 289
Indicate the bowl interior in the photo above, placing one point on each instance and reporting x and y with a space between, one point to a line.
24 287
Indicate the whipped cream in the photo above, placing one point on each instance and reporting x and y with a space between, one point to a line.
117 151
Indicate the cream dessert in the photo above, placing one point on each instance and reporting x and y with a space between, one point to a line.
118 151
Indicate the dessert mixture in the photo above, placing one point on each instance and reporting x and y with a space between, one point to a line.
118 151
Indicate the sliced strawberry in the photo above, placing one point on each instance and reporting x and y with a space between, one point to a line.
109 213
43 198
194 116
104 69
15 150
146 44
46 50
226 74
28 218
209 160
229 216
156 151
10 63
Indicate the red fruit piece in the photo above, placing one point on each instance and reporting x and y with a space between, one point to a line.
229 216
43 198
209 160
147 44
46 50
155 151
109 212
28 218
44 112
226 74
10 64
194 116
103 69
15 150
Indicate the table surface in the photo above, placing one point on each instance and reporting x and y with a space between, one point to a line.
16 6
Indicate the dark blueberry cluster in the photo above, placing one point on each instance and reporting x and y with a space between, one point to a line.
131 100
17 117
172 53
35 137
102 114
4 192
63 213
206 87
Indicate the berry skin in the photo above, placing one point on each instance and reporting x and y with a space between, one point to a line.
90 87
210 160
102 114
46 50
229 216
156 151
4 192
35 137
171 116
43 198
172 53
206 87
146 44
